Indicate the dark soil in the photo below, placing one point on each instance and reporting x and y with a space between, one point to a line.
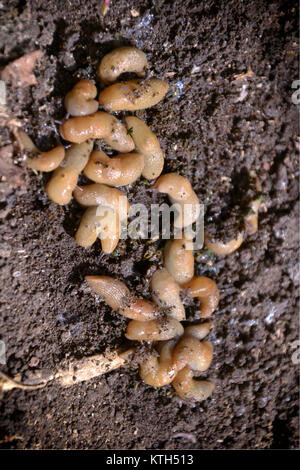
215 129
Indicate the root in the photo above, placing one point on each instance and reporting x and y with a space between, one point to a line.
77 371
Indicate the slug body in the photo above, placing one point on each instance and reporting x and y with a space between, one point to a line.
159 371
102 222
148 145
101 195
41 161
166 293
64 179
112 291
179 260
99 125
223 248
251 220
133 95
181 194
121 60
206 290
117 171
194 353
190 389
140 309
80 100
154 330
198 331
118 297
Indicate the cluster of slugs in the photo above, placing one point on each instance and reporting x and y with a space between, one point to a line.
178 353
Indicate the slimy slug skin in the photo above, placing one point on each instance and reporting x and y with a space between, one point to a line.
148 145
112 291
154 330
99 125
194 353
179 260
206 290
133 95
102 195
47 161
182 195
37 160
117 171
161 370
121 60
64 179
80 100
166 293
223 248
99 222
190 389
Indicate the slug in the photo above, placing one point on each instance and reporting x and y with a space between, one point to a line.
121 60
223 248
118 297
102 222
206 290
41 161
179 260
166 293
133 95
159 371
99 125
147 144
180 193
154 330
80 100
194 353
190 389
99 194
112 291
64 179
117 171
251 220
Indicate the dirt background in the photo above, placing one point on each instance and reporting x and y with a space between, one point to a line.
214 128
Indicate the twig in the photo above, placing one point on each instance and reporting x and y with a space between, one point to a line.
10 383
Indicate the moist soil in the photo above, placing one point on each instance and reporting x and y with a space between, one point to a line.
228 115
